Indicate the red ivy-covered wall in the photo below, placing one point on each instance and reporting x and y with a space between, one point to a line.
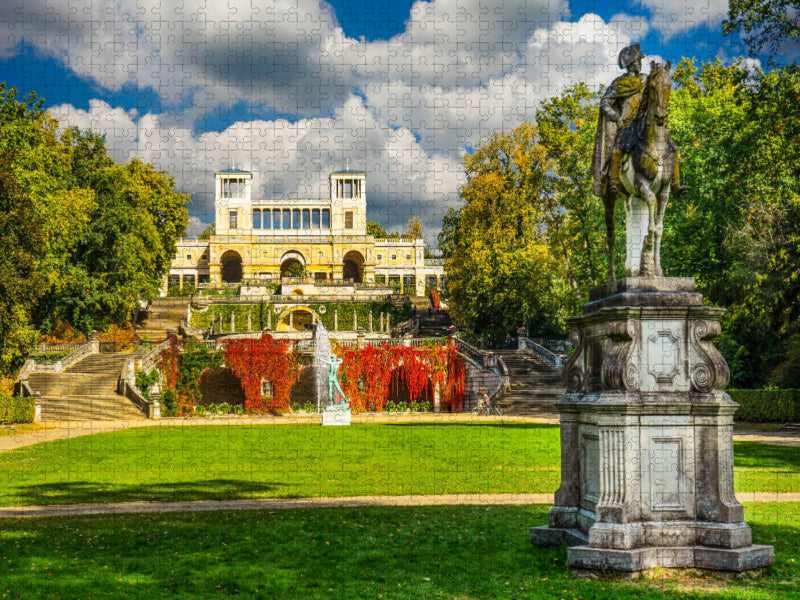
373 366
253 361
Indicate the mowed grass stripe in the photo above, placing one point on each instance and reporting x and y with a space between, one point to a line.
288 461
266 461
402 553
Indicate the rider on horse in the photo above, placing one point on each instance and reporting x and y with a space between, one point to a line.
618 107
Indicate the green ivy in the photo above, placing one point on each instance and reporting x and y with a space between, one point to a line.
195 359
145 380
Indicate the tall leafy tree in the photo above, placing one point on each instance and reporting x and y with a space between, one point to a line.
767 24
84 238
501 272
736 229
575 227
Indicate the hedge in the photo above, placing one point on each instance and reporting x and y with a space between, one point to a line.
16 410
767 406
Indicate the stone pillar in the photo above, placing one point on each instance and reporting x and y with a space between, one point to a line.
437 399
233 322
335 319
220 323
360 341
646 437
355 320
249 321
269 318
370 321
291 319
380 326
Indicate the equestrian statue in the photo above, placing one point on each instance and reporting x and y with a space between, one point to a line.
634 155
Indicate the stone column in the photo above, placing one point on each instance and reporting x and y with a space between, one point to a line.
355 320
646 437
220 323
370 321
249 321
233 322
437 400
269 318
335 319
380 326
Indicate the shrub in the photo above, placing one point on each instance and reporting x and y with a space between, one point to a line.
16 409
309 407
425 406
145 380
49 356
169 407
390 406
295 407
765 406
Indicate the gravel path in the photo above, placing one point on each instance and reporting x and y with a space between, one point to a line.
61 510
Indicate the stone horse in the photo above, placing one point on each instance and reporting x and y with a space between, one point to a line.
649 156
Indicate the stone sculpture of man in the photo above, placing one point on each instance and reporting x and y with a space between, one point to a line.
617 109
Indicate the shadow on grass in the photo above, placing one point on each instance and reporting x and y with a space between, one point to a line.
79 492
487 424
766 456
402 553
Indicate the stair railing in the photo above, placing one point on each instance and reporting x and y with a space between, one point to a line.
488 361
550 357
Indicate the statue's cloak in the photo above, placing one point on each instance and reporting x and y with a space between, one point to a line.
622 96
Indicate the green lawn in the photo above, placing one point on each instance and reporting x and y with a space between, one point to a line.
272 461
453 552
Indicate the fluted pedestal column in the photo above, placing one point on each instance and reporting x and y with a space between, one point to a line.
646 437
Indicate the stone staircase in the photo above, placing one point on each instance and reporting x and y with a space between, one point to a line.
87 391
535 386
163 314
434 325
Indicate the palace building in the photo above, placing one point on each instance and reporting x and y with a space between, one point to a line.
323 239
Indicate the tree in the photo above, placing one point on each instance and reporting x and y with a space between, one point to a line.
501 272
736 229
376 230
210 230
769 23
413 229
21 232
575 227
84 238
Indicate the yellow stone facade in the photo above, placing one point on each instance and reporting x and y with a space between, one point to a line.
261 241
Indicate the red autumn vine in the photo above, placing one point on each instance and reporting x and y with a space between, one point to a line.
254 361
367 374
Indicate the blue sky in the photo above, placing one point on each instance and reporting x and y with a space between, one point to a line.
292 89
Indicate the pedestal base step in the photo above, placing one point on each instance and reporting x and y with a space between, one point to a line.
555 537
336 417
697 557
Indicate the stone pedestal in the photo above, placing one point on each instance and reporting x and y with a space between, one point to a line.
336 415
646 437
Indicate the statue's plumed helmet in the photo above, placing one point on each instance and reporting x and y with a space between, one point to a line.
629 55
